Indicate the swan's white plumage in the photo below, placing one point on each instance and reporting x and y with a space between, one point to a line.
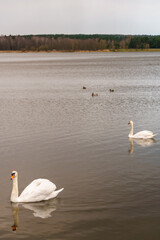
38 190
142 134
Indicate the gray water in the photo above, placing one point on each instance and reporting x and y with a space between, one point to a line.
51 128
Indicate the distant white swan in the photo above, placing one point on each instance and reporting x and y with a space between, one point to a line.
38 190
143 134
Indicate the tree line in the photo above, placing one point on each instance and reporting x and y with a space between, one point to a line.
77 42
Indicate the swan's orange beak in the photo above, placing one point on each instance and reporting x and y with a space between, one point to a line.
12 176
128 123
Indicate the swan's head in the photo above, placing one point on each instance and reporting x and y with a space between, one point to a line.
130 122
14 174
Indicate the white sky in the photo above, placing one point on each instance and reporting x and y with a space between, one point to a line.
80 16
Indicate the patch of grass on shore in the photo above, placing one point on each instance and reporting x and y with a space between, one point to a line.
139 50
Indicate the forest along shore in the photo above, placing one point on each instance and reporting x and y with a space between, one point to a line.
83 51
79 42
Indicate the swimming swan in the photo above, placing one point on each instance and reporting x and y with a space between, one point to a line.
143 134
38 190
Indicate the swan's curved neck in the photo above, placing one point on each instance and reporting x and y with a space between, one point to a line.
131 131
14 193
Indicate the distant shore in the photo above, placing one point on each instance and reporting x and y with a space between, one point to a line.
84 51
79 43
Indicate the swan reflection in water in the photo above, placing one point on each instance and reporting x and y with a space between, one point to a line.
15 211
40 209
142 142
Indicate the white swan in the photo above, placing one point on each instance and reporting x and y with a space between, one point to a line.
38 190
143 134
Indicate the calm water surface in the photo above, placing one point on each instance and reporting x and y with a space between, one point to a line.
50 127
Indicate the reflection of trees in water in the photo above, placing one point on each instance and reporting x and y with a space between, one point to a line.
40 209
141 142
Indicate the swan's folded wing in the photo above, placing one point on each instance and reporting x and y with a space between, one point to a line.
37 190
144 134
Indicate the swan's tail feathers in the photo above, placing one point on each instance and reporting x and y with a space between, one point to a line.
58 191
154 135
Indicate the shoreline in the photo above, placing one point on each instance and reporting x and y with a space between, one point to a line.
83 51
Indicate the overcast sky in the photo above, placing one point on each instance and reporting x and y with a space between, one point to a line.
79 16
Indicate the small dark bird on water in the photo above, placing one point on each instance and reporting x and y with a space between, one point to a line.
111 90
84 87
94 94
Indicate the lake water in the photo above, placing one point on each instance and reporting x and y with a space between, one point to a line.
51 128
